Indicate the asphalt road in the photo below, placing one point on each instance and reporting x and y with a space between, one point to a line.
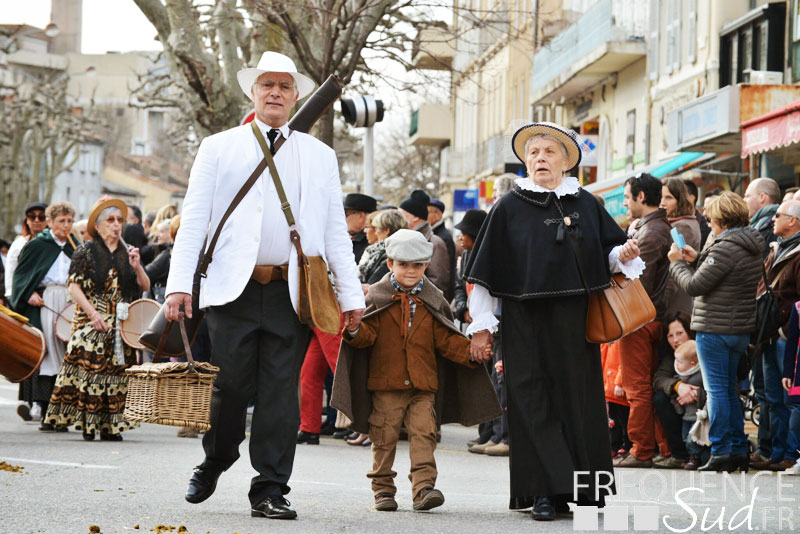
67 485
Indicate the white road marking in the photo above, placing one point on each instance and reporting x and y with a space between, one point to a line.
63 464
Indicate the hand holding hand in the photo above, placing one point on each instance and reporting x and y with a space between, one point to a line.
481 347
352 319
687 394
173 305
35 300
630 251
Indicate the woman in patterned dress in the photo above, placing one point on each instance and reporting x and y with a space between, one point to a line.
90 388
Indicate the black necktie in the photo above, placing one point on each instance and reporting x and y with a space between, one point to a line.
272 135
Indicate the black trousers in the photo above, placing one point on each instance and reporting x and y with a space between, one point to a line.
258 344
672 423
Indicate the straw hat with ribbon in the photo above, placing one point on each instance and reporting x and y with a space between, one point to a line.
274 62
566 136
97 209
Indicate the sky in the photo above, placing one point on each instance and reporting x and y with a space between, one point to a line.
129 30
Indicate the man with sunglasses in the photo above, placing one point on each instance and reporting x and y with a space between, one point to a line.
33 224
783 274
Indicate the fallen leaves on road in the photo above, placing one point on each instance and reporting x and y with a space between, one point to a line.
10 468
163 529
94 529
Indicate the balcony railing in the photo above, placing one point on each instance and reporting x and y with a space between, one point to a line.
605 22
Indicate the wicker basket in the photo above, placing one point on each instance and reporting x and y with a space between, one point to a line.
170 394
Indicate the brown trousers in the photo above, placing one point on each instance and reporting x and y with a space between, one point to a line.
638 359
389 410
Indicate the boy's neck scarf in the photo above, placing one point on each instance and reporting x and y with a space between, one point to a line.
408 306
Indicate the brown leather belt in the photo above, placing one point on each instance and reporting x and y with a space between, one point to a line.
264 274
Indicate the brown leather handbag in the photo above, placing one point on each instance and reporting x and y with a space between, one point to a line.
616 311
317 305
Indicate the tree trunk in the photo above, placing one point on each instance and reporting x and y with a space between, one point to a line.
325 128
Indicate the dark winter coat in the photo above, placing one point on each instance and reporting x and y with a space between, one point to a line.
791 362
787 287
724 279
652 232
444 234
465 394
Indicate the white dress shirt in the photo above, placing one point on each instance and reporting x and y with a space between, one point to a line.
275 246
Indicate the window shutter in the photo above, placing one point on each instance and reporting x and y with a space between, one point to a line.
653 41
692 40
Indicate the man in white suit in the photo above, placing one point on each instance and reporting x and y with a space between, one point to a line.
257 340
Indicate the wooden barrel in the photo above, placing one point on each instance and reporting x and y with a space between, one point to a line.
22 349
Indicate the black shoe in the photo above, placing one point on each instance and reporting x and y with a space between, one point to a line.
308 438
202 484
327 430
543 509
342 434
718 463
88 436
108 436
273 508
46 427
740 462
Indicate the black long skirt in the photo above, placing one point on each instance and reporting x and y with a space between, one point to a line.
557 419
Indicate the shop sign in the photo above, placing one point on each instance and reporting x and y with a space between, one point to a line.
703 119
465 199
779 131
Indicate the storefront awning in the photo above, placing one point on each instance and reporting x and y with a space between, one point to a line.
675 163
776 129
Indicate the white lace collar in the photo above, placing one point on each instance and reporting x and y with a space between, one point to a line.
569 186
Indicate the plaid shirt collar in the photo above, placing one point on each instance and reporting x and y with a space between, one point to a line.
412 303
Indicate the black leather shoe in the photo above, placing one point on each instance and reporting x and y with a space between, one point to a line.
308 438
342 434
46 427
543 509
202 484
273 508
327 430
740 462
718 463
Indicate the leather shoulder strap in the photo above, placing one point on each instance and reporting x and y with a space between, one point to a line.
207 257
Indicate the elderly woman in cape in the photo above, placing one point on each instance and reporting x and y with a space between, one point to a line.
543 248
90 388
40 293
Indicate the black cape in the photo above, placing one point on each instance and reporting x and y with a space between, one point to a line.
35 260
518 254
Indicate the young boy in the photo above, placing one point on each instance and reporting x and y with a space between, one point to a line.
406 327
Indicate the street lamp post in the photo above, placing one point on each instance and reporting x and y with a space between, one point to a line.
364 112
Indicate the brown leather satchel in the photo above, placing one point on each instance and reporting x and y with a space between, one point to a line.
317 305
160 336
616 311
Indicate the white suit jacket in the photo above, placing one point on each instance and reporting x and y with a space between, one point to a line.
224 162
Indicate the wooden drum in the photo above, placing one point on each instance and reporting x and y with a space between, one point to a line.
22 348
140 314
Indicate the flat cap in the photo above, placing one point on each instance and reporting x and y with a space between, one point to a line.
408 245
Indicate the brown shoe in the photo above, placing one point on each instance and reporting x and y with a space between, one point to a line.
633 461
759 463
783 465
384 502
428 498
481 449
668 462
501 449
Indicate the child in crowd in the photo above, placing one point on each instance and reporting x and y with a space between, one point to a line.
406 326
687 370
616 402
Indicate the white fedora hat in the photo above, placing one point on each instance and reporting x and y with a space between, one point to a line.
274 62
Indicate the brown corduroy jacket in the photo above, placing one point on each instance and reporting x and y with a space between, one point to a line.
406 362
465 394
